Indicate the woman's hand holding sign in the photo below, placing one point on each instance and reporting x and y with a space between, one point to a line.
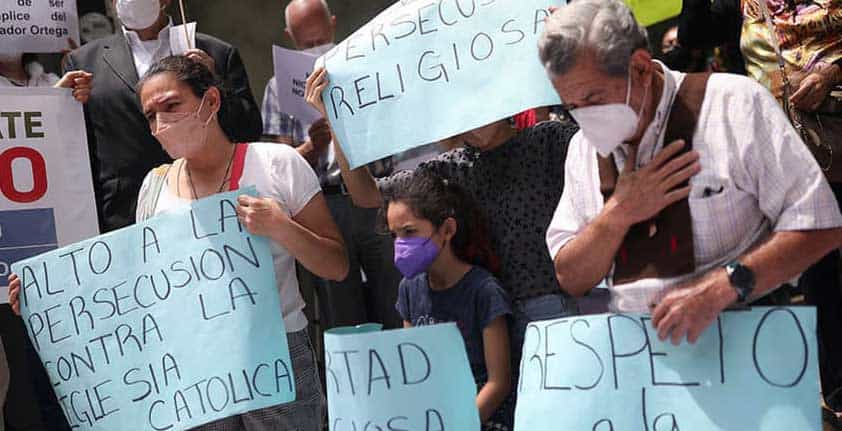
261 216
316 83
80 82
311 235
360 183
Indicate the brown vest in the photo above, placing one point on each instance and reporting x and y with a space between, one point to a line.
661 247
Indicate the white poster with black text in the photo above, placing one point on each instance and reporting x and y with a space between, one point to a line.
46 191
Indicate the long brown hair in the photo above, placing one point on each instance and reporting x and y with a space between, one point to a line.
436 199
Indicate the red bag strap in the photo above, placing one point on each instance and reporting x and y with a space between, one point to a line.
237 165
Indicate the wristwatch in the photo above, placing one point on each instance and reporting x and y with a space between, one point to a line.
741 278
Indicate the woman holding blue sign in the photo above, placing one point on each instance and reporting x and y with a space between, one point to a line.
181 99
442 249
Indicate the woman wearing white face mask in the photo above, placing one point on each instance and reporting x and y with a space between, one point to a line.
181 99
19 70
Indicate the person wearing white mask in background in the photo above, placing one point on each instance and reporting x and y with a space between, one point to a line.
31 403
311 28
121 144
21 70
690 193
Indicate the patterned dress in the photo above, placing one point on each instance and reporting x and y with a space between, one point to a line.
807 31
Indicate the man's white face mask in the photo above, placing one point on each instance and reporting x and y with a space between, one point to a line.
138 14
320 50
608 126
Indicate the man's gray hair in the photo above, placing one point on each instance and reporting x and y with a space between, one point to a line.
607 28
286 9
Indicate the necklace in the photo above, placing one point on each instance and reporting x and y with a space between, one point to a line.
225 178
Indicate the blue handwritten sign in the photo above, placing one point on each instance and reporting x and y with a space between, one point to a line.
751 370
423 71
167 324
404 379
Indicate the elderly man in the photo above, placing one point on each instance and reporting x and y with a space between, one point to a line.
311 28
689 193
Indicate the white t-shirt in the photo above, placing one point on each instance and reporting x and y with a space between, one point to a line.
279 172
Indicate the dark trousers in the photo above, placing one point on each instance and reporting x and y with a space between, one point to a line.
31 403
822 288
352 302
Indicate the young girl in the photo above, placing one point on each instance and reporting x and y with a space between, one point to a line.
439 247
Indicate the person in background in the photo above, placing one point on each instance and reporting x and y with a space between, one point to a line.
713 24
31 401
410 159
94 26
651 191
812 53
443 251
21 70
677 57
122 147
515 177
670 40
311 28
808 35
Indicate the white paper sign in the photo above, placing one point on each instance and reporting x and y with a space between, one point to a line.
46 192
38 26
291 71
179 38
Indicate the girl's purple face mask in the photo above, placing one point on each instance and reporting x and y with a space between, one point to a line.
414 255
